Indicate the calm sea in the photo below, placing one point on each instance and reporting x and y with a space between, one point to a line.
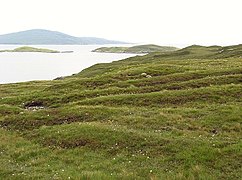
20 67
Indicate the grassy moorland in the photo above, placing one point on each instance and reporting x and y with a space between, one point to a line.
170 115
31 49
140 49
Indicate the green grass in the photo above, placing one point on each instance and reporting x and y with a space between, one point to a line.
140 49
175 115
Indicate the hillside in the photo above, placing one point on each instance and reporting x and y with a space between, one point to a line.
31 49
140 49
173 115
41 36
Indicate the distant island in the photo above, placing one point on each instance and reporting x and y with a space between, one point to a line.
32 49
46 37
141 49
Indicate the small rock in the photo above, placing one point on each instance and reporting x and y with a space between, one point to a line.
149 76
143 74
214 131
59 78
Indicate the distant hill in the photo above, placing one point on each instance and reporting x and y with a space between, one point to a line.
197 51
41 36
136 49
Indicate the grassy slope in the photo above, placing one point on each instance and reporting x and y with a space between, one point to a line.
112 122
31 49
136 49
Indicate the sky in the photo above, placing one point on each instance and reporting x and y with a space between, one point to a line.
163 22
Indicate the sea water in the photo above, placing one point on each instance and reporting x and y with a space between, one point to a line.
28 66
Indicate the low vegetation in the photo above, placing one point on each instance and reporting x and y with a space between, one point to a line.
31 49
141 49
165 115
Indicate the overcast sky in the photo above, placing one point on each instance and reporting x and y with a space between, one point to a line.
165 22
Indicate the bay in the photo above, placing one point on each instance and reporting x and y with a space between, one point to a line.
25 66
